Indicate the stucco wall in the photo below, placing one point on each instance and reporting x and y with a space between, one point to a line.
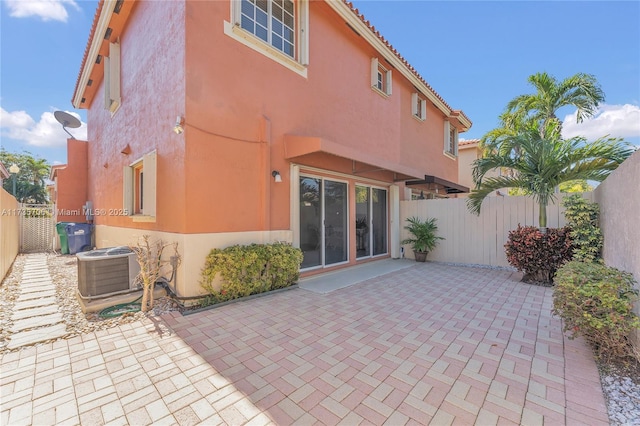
71 184
152 87
466 157
240 104
193 248
619 202
9 231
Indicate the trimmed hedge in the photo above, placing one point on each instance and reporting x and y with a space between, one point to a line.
247 270
596 301
538 255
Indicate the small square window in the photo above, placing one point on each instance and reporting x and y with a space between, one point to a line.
139 190
418 106
380 77
450 139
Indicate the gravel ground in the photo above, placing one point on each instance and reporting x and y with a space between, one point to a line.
621 383
64 273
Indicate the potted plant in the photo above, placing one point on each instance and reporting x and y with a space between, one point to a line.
424 238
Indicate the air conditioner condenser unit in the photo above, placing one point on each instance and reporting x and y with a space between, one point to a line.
107 271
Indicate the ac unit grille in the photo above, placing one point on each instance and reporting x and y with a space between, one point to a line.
103 274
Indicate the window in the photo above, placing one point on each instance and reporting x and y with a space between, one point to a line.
450 139
418 106
276 28
272 21
112 78
139 192
380 77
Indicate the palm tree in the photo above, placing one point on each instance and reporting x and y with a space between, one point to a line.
541 160
580 90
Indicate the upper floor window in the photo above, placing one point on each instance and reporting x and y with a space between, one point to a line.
418 106
380 77
272 21
112 78
275 28
450 139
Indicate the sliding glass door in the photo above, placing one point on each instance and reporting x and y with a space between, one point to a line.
371 221
323 222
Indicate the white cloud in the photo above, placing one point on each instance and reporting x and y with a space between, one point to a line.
621 121
47 132
47 10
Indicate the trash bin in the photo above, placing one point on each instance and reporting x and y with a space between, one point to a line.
78 237
61 228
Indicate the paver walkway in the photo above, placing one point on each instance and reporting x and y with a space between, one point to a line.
36 316
427 344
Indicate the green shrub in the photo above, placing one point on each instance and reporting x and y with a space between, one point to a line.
247 270
582 218
538 255
596 301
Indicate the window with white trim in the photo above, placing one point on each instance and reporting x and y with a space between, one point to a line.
418 106
275 28
273 21
380 77
139 191
450 139
112 78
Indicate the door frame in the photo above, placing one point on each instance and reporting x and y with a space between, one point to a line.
347 231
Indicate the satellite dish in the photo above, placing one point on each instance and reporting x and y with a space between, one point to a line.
67 120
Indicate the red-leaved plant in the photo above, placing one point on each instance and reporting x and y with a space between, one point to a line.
538 255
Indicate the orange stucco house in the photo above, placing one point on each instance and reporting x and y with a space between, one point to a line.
213 123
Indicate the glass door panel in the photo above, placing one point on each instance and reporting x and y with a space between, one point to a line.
311 222
379 210
363 221
335 222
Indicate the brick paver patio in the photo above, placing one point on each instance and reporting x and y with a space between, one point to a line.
427 344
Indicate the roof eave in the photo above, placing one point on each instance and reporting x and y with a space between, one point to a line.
392 56
94 47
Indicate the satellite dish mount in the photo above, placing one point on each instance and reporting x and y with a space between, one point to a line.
67 120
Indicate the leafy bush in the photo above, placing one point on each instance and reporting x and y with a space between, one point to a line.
582 217
538 255
247 270
595 301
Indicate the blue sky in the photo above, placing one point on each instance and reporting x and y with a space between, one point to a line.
475 54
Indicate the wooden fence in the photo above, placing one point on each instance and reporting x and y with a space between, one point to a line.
9 231
478 240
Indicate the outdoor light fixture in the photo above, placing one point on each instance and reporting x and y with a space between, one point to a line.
276 176
14 170
178 129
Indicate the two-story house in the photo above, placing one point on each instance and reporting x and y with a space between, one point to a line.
213 123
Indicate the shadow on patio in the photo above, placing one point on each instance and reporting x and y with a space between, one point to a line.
428 343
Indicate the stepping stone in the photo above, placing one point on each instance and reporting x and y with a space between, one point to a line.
28 277
28 313
40 275
36 294
36 282
34 303
38 335
37 289
40 321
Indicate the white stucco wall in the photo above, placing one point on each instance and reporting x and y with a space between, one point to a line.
619 200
